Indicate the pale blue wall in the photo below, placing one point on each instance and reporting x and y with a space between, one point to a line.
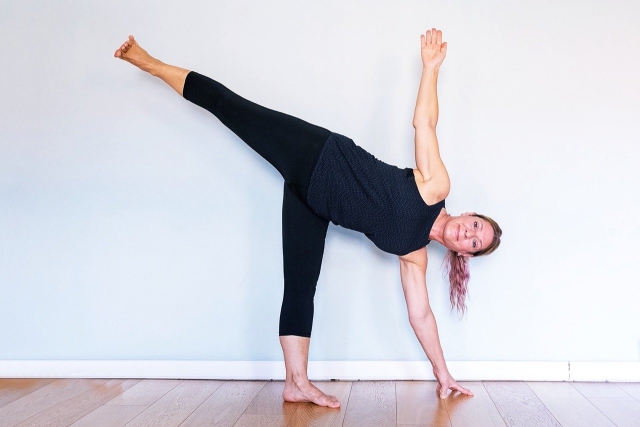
133 225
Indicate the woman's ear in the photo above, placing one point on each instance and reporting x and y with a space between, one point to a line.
465 254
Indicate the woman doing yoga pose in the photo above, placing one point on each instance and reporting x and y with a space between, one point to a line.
329 178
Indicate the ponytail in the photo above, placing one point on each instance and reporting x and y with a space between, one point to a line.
457 267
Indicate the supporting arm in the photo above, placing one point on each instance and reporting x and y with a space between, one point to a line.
413 268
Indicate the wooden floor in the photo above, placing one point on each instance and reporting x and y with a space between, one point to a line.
73 402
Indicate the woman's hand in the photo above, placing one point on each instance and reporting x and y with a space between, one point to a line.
433 50
446 382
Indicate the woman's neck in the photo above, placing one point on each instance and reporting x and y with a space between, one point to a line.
437 230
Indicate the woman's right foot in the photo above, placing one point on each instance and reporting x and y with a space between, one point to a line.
131 52
308 393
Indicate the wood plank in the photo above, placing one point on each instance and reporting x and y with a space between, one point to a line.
71 410
371 403
471 411
14 388
268 408
600 390
145 393
254 420
624 412
633 389
518 405
269 401
44 398
311 415
418 404
109 416
568 405
225 405
175 406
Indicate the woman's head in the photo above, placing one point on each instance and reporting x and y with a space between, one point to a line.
466 236
471 234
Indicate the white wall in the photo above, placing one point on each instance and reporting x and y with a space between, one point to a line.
133 225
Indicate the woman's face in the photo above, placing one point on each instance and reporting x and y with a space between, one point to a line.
467 234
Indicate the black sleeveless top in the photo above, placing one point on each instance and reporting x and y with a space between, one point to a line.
353 189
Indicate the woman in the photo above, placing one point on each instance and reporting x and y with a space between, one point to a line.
329 178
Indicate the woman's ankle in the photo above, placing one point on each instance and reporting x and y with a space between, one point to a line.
154 67
297 378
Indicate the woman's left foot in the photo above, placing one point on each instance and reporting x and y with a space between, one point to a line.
133 53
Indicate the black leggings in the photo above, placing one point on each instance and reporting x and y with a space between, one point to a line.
292 146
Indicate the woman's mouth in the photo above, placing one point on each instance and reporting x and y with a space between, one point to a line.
458 233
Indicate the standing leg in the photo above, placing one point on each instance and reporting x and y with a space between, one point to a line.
303 236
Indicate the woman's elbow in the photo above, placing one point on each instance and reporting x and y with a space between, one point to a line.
424 123
418 320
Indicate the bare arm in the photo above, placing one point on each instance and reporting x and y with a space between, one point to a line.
425 117
413 268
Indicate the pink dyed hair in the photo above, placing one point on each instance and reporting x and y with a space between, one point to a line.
457 268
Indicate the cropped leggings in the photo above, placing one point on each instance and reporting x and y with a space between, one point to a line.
292 146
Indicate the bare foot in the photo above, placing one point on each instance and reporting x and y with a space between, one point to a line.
308 393
131 52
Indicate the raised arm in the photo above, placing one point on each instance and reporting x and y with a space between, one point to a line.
425 117
413 268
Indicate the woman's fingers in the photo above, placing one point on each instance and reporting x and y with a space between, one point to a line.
443 393
432 36
454 386
461 389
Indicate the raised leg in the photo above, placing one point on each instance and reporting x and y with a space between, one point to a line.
290 144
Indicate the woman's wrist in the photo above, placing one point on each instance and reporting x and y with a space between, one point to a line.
433 69
440 370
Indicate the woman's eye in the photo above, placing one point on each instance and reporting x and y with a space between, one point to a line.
474 244
475 224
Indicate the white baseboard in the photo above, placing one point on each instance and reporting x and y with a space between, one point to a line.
339 370
605 371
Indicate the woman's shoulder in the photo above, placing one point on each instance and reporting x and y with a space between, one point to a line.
430 191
